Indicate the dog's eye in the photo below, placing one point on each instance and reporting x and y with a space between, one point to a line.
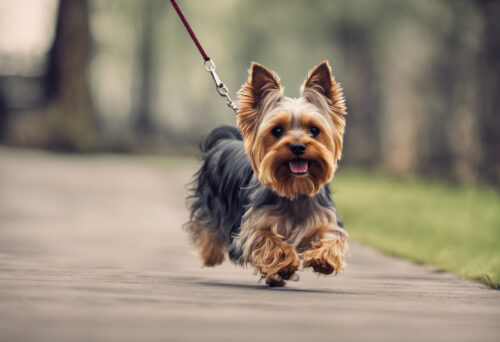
314 131
277 131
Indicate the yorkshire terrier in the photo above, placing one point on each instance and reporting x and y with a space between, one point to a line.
262 193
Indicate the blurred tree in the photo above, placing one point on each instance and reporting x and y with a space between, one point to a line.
3 117
70 119
363 100
489 87
143 122
420 76
446 91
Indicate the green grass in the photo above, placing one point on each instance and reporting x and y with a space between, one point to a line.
455 228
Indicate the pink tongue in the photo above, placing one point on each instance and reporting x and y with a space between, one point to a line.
298 165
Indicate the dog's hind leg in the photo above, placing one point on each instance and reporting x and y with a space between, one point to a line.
209 244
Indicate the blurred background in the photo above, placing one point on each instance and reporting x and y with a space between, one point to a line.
420 171
421 78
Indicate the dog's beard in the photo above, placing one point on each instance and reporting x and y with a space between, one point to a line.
290 175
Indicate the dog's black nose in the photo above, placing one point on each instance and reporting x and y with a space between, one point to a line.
298 148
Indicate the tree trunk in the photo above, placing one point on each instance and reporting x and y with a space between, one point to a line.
3 116
70 119
143 122
489 85
363 102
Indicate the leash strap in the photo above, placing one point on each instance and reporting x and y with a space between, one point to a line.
209 64
190 31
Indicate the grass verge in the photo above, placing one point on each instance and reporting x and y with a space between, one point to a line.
455 228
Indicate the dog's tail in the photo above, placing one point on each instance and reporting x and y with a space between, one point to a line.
218 134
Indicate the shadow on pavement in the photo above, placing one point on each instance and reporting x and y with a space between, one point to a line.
265 287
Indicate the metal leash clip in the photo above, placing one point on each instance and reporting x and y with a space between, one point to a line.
220 86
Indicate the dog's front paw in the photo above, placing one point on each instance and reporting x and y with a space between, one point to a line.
276 261
287 272
281 269
319 265
327 257
274 280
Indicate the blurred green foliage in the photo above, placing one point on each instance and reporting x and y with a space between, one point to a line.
420 77
412 73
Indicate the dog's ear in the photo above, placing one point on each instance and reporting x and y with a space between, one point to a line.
320 79
321 90
261 83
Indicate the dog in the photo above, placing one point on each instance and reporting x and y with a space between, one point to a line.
261 194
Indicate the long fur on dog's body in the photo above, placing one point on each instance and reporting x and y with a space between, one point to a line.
225 185
222 185
247 201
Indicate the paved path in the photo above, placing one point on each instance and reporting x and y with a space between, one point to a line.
91 249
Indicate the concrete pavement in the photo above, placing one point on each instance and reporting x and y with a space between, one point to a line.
91 249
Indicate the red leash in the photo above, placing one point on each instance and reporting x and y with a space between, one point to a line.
209 64
190 31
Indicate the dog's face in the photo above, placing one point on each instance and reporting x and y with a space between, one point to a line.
293 144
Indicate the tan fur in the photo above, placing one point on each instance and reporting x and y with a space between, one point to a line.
210 248
276 175
271 242
261 91
321 89
263 106
327 256
285 227
276 260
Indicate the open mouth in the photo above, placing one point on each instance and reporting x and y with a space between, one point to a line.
298 166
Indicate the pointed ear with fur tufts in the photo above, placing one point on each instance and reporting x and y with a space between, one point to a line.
321 90
320 78
251 97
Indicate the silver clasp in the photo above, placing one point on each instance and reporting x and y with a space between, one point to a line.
219 85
